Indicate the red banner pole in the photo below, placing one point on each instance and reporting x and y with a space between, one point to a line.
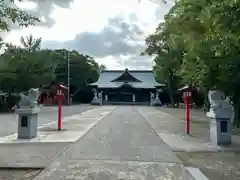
187 116
59 114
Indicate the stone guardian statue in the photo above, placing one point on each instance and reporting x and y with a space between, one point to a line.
219 106
29 101
28 114
220 115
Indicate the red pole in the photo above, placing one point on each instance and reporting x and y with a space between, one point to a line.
59 114
187 115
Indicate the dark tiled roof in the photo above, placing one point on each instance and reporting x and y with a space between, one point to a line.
146 78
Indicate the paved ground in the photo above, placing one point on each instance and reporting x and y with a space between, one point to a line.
18 174
215 165
25 161
29 155
121 146
172 129
196 114
73 127
38 153
48 114
199 125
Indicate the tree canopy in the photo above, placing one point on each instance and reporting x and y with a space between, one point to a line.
11 15
199 43
28 66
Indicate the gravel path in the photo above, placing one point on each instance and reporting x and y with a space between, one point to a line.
122 146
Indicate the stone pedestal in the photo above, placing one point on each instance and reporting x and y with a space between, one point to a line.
220 115
151 99
220 131
95 101
27 123
151 102
157 102
220 126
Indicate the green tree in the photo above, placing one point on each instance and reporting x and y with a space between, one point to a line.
209 33
12 15
168 59
9 15
83 70
22 69
30 43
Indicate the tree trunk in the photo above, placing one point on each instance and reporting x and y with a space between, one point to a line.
206 103
236 106
170 88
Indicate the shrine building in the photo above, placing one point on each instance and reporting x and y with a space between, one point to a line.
126 86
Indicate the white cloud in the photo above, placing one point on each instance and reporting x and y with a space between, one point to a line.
93 16
26 5
110 62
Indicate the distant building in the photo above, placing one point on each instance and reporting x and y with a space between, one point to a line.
126 86
48 94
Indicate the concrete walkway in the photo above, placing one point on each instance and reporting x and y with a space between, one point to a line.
47 115
39 152
173 131
73 127
196 149
123 146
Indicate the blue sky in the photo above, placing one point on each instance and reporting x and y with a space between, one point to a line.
112 31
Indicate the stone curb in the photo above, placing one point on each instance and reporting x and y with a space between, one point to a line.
43 126
205 150
85 131
195 173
